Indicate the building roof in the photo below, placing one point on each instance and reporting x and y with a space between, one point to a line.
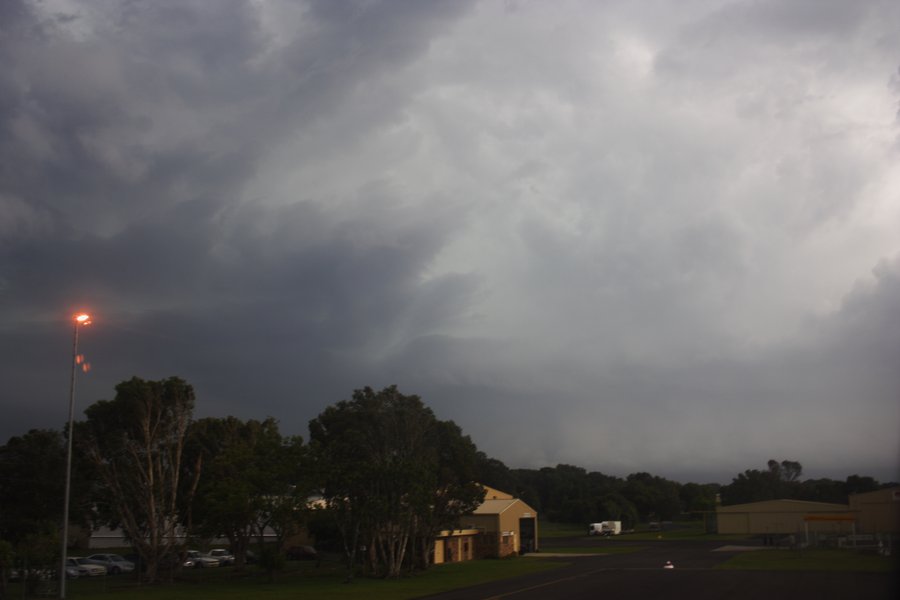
495 494
494 507
783 505
884 495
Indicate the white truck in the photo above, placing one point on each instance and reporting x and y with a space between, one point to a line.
605 528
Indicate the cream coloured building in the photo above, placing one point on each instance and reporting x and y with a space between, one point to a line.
508 525
878 511
875 512
783 517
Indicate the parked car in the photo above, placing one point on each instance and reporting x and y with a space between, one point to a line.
85 567
72 571
114 563
201 560
224 557
301 553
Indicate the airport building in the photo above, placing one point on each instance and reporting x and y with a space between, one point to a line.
873 513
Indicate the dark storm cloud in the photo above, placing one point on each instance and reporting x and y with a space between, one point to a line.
588 233
120 195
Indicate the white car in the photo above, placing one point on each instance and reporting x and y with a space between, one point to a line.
223 556
200 560
84 567
114 563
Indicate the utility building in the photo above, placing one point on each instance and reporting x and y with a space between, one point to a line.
875 512
878 511
508 525
772 517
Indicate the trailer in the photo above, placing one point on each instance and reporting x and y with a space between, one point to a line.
605 528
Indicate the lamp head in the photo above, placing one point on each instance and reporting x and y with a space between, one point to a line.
83 319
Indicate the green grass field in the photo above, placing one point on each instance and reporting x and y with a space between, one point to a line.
686 530
300 580
596 550
555 530
305 579
810 560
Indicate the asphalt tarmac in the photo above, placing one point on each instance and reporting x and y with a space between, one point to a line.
642 575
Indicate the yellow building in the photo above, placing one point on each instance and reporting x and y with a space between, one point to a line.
869 513
508 525
784 517
455 546
878 511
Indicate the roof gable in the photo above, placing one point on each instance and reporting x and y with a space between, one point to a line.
495 494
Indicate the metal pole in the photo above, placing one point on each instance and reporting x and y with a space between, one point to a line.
65 531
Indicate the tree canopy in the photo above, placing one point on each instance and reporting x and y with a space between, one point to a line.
391 473
136 441
253 478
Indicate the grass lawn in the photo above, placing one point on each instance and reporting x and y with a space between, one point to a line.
810 560
687 530
688 534
303 580
596 550
547 529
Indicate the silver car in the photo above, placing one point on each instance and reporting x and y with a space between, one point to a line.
224 557
200 560
114 563
84 567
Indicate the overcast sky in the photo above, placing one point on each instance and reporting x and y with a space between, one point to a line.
630 236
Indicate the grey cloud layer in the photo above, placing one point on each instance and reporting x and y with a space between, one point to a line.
627 237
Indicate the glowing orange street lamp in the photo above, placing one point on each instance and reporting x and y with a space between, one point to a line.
79 321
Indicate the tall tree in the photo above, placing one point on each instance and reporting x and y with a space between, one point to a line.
698 498
780 480
494 473
387 468
32 471
32 475
253 478
137 441
856 484
453 492
654 497
752 485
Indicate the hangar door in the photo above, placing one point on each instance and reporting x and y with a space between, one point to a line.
527 534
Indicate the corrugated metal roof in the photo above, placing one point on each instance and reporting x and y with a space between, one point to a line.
494 507
783 505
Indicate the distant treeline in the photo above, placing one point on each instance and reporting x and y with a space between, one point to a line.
570 494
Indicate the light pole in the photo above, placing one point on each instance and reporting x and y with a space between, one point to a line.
82 319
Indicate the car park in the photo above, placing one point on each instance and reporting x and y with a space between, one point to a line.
72 572
84 567
224 557
114 563
201 560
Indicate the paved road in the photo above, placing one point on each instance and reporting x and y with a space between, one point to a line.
641 575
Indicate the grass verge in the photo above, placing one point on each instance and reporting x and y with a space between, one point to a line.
303 581
810 560
546 529
610 549
682 530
